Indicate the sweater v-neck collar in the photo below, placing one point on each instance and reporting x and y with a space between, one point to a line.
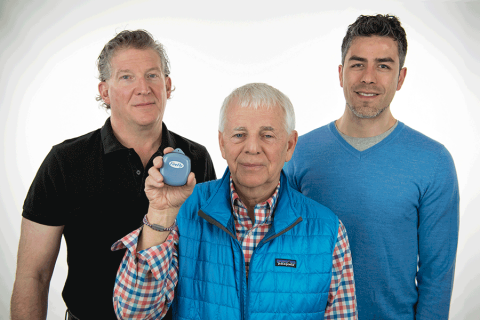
364 153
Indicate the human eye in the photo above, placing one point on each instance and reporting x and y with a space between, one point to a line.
125 77
238 135
152 76
384 66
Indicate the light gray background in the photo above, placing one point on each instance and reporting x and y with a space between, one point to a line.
48 84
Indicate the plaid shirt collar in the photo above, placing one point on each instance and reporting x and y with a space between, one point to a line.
263 211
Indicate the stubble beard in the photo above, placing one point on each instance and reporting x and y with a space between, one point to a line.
359 113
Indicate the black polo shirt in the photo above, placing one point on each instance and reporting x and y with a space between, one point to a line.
94 186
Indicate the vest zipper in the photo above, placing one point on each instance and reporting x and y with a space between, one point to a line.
219 225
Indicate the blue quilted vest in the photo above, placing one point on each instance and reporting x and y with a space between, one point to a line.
290 270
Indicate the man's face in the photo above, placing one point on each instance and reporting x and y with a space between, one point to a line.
256 146
137 90
370 75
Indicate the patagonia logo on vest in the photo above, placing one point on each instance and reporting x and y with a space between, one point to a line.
285 263
176 164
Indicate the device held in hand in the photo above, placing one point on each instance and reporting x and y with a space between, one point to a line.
176 168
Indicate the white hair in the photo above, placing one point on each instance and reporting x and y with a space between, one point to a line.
255 95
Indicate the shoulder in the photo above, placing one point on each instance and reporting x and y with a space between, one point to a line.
314 141
421 146
315 134
199 197
77 148
310 208
193 148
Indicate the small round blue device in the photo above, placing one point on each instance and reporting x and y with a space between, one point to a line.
176 167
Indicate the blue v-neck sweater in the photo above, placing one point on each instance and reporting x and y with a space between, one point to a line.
399 202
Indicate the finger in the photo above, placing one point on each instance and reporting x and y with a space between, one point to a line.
155 174
158 162
167 150
151 183
191 181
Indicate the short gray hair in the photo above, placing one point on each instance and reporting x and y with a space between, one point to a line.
255 95
137 39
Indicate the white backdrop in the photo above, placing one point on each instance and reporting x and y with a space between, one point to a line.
48 85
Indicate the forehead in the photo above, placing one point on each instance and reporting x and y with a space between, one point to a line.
130 58
373 46
253 118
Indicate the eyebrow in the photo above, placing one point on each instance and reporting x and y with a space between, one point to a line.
378 60
123 71
129 71
263 128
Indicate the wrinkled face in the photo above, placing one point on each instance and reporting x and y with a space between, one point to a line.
137 90
370 75
256 146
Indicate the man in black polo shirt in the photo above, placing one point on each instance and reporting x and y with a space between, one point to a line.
91 188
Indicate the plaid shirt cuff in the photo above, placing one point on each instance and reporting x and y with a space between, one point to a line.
157 257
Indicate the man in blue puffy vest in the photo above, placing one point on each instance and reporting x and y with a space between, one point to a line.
246 246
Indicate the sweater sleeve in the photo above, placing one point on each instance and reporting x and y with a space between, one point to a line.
438 223
146 280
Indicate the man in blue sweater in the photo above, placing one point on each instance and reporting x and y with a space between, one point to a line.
395 189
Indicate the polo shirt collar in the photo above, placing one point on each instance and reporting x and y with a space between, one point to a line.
111 143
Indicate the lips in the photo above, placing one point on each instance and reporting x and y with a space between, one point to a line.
365 94
144 104
251 166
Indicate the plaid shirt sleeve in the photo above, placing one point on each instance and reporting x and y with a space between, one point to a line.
342 302
146 280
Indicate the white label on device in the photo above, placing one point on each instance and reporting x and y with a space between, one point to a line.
176 164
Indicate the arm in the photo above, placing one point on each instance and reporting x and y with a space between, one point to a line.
438 221
146 279
37 254
342 302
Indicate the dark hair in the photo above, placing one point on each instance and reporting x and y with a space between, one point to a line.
379 25
137 39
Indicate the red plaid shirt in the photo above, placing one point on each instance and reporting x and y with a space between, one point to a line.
146 280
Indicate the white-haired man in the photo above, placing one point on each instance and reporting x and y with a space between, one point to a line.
243 246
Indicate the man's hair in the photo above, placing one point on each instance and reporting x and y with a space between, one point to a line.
379 25
137 39
255 95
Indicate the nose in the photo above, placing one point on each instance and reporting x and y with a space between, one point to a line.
252 145
143 87
369 75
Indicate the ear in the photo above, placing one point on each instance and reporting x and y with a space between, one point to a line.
401 78
168 86
340 75
291 144
221 143
103 90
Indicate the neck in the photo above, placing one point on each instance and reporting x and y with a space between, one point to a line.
145 140
353 126
253 196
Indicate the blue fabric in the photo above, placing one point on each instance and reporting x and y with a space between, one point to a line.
398 200
212 281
